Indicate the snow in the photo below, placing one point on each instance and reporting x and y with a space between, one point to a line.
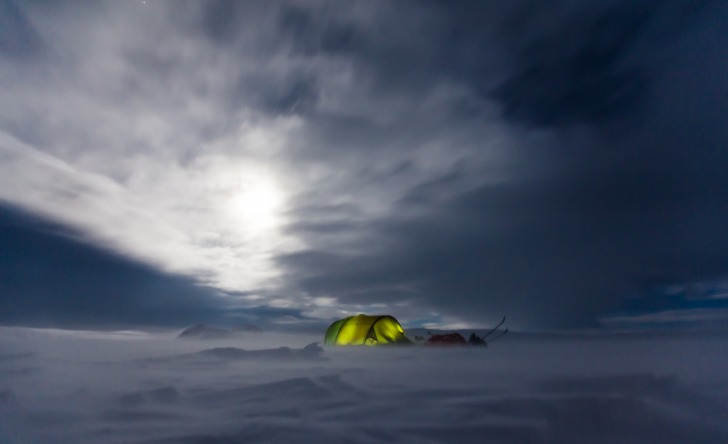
135 387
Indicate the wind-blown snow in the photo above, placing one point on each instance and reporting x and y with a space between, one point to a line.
134 387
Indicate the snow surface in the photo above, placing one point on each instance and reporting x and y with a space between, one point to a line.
134 387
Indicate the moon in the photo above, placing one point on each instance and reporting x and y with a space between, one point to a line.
257 205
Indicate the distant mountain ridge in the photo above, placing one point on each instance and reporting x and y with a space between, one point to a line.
201 331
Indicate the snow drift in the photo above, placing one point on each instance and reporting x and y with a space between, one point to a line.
122 387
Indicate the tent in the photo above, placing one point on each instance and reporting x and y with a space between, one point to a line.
365 330
450 339
446 339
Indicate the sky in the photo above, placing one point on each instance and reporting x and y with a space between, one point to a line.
289 163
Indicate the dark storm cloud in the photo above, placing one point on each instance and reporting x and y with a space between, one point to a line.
573 74
590 68
546 65
18 37
555 162
550 254
624 191
310 32
47 277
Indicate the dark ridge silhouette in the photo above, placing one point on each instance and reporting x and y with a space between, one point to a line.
201 331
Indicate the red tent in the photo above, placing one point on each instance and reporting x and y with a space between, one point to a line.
446 339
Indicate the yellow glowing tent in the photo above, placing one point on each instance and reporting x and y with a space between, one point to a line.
365 330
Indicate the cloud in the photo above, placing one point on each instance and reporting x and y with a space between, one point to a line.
49 277
552 164
702 318
18 37
592 63
610 195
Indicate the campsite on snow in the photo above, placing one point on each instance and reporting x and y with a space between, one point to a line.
77 387
305 221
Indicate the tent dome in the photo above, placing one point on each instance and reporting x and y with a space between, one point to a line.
365 330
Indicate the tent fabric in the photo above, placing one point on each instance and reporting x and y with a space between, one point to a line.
365 330
447 339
